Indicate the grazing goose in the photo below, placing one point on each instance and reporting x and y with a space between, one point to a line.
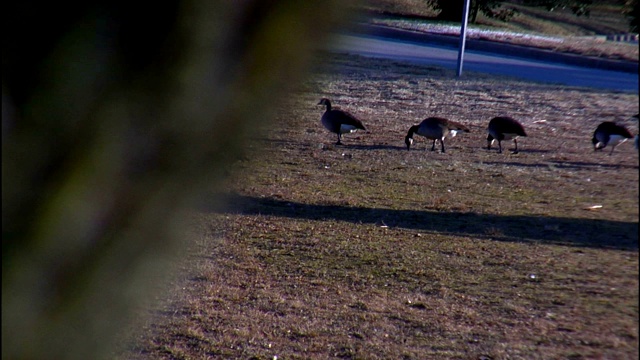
434 128
338 121
609 133
504 128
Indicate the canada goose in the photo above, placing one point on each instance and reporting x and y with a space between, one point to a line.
504 128
609 133
338 121
434 128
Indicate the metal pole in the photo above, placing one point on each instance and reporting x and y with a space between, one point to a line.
463 35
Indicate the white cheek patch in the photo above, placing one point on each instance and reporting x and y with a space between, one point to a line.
347 129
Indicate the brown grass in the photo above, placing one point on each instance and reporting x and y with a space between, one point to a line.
370 251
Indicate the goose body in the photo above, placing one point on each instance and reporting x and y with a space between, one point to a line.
338 121
504 128
609 133
434 128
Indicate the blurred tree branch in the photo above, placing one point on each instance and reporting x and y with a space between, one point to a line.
116 117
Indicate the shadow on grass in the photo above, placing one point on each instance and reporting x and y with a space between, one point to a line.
574 165
375 147
552 230
506 151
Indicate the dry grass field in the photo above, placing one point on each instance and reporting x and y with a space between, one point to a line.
369 251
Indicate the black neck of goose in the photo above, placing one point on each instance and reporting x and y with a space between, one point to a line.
328 103
412 130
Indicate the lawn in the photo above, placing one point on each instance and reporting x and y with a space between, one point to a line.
369 251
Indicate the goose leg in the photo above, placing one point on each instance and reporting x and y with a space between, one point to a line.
499 146
339 138
515 142
442 145
433 147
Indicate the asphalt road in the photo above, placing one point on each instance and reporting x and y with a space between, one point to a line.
487 62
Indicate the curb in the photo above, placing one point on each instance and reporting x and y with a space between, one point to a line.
495 47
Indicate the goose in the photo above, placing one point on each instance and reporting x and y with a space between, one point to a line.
609 133
504 128
434 128
338 121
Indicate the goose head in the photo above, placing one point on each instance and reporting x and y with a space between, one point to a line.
408 141
325 101
597 145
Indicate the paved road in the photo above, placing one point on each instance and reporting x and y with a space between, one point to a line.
474 60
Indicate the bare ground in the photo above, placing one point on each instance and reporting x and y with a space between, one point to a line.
370 251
